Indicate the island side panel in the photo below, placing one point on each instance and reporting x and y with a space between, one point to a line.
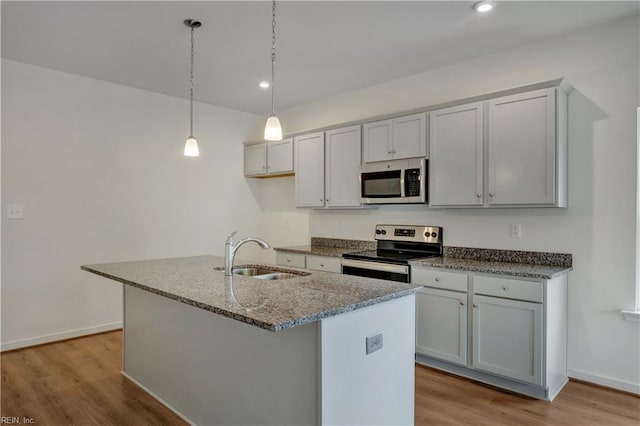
378 388
215 370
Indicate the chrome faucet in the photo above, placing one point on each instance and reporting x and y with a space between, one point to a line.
230 249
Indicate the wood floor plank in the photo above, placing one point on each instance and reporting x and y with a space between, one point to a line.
78 382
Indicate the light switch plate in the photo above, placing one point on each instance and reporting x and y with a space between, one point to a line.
15 211
374 343
516 230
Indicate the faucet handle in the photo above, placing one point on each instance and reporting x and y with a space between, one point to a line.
230 237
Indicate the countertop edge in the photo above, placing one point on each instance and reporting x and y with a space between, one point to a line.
486 270
274 327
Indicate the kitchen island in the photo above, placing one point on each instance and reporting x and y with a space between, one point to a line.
318 348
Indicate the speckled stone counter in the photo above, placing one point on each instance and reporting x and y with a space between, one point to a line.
271 305
330 247
525 264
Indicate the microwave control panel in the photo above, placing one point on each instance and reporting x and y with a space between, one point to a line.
412 183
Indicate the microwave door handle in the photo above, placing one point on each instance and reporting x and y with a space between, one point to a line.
402 176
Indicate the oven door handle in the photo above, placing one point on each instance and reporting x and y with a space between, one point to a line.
402 179
376 266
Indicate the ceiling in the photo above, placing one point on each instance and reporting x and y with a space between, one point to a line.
324 48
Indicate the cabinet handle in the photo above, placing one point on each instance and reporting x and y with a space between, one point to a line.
475 305
505 288
327 200
479 195
393 151
461 303
320 199
322 265
288 260
437 279
490 194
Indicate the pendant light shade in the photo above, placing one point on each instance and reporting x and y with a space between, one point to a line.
191 147
273 130
191 144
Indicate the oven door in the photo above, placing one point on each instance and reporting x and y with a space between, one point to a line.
383 271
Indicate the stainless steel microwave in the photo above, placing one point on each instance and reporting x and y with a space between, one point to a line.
394 182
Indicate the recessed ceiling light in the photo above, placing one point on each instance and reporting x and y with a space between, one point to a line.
484 6
264 85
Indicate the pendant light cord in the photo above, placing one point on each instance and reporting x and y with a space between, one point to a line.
191 85
273 55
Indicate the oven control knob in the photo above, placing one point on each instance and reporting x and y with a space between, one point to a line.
383 232
434 234
378 231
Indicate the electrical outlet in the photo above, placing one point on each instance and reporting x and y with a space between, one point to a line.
374 343
15 211
516 230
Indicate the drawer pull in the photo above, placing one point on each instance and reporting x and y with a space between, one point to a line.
479 195
475 305
322 265
288 260
505 288
461 303
437 279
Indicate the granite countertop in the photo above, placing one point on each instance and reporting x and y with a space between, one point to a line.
330 247
525 264
271 305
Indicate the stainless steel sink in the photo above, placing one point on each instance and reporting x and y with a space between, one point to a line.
252 271
277 276
264 272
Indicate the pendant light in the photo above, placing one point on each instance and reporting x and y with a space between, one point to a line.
191 145
272 130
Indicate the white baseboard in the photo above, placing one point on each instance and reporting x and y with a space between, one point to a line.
160 400
605 381
54 337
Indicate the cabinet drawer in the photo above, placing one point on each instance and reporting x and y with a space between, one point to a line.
290 259
322 263
439 279
507 288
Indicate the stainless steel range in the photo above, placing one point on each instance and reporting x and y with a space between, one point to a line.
396 246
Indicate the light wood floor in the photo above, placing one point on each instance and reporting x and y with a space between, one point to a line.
78 382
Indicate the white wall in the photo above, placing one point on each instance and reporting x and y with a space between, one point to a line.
100 172
598 227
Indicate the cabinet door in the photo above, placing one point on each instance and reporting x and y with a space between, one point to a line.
342 169
309 164
255 159
409 136
280 156
456 156
507 338
522 149
377 141
441 325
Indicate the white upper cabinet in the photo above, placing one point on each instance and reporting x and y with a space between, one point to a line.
268 158
522 147
255 159
343 154
328 168
403 137
377 141
509 151
309 163
280 156
456 156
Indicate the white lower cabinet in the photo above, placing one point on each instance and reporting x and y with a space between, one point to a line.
441 324
318 263
507 338
518 329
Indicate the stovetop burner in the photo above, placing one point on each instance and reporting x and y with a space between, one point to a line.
400 258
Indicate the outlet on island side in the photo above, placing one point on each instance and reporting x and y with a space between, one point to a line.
374 343
15 211
516 230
